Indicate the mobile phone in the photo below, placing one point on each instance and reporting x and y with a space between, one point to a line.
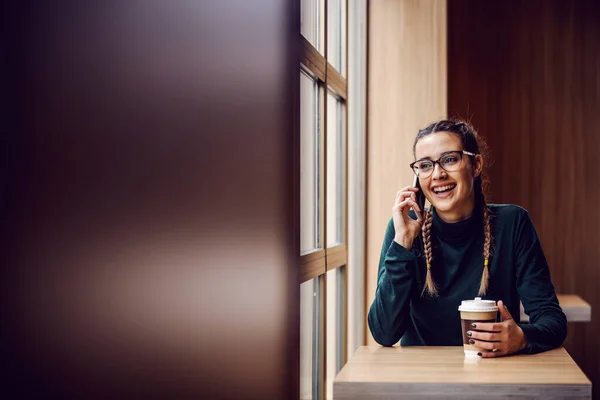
420 198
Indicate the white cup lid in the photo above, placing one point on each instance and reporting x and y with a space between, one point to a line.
478 305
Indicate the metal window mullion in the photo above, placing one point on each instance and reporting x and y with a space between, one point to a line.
317 166
339 33
339 319
318 360
317 15
340 174
319 357
316 337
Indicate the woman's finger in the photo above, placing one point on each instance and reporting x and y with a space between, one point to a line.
488 326
397 199
487 336
484 345
407 189
406 195
407 204
402 195
492 354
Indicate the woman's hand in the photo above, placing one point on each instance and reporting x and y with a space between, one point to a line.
498 338
406 228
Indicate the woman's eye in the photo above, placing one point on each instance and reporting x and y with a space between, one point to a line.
450 160
425 166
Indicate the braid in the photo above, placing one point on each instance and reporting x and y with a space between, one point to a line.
487 243
430 286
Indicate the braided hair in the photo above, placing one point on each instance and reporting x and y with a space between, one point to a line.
473 143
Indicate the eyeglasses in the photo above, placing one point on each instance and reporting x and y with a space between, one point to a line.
449 161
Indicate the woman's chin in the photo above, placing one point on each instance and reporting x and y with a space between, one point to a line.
443 205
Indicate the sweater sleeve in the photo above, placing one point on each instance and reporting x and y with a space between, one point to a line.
389 313
547 327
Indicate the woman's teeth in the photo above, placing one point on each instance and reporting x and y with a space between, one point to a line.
441 189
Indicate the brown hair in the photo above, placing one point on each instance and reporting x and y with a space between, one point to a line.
473 143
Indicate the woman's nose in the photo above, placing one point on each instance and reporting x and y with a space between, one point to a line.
438 171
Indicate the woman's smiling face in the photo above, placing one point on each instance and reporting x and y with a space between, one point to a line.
451 193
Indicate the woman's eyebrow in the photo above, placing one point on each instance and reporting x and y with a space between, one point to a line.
424 158
441 155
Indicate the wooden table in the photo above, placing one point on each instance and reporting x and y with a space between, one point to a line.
575 308
376 372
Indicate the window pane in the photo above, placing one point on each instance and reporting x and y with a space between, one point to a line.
336 34
335 327
309 21
309 168
307 296
335 170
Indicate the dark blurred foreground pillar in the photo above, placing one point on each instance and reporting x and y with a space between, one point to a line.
146 201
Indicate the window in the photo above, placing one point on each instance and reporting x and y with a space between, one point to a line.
310 22
307 332
336 35
336 334
322 147
310 238
335 170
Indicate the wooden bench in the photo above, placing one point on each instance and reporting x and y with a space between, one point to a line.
575 308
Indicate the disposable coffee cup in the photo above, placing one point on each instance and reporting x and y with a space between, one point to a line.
474 311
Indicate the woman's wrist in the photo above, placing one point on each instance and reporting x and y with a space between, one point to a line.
404 242
524 342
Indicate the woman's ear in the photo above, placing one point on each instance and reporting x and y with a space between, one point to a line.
477 165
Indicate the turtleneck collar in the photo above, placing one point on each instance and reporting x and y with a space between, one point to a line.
457 230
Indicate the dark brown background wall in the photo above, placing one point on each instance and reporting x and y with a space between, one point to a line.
146 199
527 73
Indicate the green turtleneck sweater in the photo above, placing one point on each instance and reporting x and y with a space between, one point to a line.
518 273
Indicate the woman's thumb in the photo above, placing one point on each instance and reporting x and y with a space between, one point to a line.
504 313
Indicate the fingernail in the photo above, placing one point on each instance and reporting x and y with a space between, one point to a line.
479 354
473 326
469 333
471 341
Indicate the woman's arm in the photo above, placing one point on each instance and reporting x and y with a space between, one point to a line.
547 327
389 314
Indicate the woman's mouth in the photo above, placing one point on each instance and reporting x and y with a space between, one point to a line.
443 191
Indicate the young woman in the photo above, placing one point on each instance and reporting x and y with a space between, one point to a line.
460 248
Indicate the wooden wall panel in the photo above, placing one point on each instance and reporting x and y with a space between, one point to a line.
406 91
528 75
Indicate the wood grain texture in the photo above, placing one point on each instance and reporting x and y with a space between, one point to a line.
312 265
312 59
337 82
406 91
376 372
575 308
528 75
337 256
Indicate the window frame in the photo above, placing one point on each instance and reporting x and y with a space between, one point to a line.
317 263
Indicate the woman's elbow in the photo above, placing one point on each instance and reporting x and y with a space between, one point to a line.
563 333
386 341
385 334
381 337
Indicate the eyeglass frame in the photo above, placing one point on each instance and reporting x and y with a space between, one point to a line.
462 152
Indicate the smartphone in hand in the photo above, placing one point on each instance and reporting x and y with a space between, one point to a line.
420 198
